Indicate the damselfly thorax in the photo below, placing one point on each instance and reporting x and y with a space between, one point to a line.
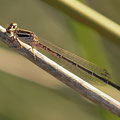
27 37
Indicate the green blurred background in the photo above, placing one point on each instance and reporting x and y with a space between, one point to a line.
29 93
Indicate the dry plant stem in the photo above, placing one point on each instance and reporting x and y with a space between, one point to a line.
88 16
64 75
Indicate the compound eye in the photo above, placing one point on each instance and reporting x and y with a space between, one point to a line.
14 27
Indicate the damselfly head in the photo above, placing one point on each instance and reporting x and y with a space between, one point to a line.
12 27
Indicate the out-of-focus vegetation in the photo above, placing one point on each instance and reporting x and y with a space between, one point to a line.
45 97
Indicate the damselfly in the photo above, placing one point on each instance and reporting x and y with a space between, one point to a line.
87 67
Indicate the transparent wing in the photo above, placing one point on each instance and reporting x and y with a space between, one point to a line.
88 66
